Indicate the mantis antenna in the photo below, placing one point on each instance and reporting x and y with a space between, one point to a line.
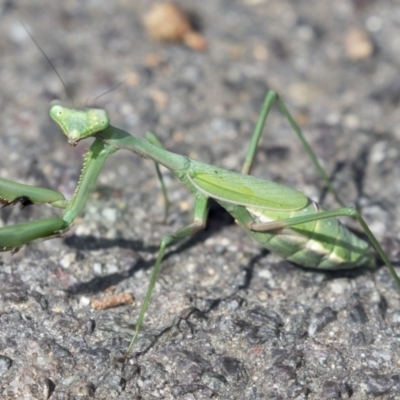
50 63
115 87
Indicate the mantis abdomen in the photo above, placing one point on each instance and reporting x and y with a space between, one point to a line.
322 244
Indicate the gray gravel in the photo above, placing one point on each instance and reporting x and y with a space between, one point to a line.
227 320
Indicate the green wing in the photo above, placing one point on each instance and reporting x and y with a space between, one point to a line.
246 190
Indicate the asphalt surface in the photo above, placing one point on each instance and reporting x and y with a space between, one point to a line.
227 320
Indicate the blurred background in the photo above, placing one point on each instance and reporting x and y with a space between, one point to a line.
262 327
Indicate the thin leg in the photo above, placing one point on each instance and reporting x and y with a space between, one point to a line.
153 139
269 100
200 218
340 212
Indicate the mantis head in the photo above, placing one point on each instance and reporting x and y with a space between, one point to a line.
79 124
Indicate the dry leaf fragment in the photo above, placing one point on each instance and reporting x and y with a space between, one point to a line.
113 300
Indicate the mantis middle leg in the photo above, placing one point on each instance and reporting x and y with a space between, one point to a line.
199 222
271 98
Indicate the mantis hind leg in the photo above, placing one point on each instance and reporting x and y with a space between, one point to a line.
271 98
340 212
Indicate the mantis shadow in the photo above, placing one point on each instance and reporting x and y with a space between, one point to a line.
218 220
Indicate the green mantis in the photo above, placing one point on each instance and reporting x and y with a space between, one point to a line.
280 218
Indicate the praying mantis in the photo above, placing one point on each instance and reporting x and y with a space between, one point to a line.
280 218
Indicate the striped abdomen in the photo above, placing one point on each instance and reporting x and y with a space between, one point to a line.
322 244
